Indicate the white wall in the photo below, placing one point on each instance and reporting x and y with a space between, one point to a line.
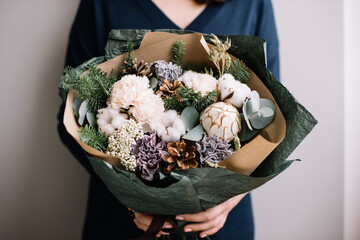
352 115
306 201
42 188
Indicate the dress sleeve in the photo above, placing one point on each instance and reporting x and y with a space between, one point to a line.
88 33
86 40
266 29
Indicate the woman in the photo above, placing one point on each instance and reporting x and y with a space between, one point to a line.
106 218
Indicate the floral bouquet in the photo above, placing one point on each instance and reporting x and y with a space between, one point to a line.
177 123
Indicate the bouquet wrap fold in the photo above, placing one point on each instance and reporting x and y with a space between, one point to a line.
195 190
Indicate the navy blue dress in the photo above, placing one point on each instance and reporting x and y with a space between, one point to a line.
106 218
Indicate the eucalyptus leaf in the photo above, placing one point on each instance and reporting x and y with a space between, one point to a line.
262 118
247 111
246 134
255 101
76 106
91 118
190 116
195 134
82 113
153 83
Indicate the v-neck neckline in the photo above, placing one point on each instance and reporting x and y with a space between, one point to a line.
159 18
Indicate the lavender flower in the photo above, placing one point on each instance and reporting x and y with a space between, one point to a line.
148 153
166 70
213 150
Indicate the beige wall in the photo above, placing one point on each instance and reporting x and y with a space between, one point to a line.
43 189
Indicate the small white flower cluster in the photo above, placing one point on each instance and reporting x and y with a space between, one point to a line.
170 128
214 165
109 119
200 82
121 141
228 85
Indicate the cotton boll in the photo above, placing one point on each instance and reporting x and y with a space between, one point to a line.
171 127
200 82
233 91
169 117
109 119
188 77
179 125
117 121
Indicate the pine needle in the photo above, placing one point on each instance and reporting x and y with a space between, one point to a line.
93 138
95 86
179 51
239 70
69 79
185 97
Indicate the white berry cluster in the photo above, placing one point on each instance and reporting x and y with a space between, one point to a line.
121 141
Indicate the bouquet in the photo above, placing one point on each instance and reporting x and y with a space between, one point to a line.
177 123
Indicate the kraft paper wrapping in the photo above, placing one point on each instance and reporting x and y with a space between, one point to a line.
157 46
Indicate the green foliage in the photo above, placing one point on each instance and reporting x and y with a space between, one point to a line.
128 62
186 97
69 79
179 51
239 70
130 48
93 138
95 87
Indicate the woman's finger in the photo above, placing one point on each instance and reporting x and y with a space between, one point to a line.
197 227
202 216
213 230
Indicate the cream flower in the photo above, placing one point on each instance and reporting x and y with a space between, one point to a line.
127 90
148 108
170 128
200 82
109 119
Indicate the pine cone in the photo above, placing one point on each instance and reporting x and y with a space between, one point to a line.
168 88
181 156
140 69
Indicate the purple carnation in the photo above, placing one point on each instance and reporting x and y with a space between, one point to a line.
164 70
148 153
213 149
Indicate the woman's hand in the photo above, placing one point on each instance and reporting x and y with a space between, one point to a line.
143 221
211 220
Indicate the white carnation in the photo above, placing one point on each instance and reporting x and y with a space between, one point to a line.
147 108
127 90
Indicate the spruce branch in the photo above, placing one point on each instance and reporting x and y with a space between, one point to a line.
93 138
239 70
69 79
186 96
178 50
95 87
